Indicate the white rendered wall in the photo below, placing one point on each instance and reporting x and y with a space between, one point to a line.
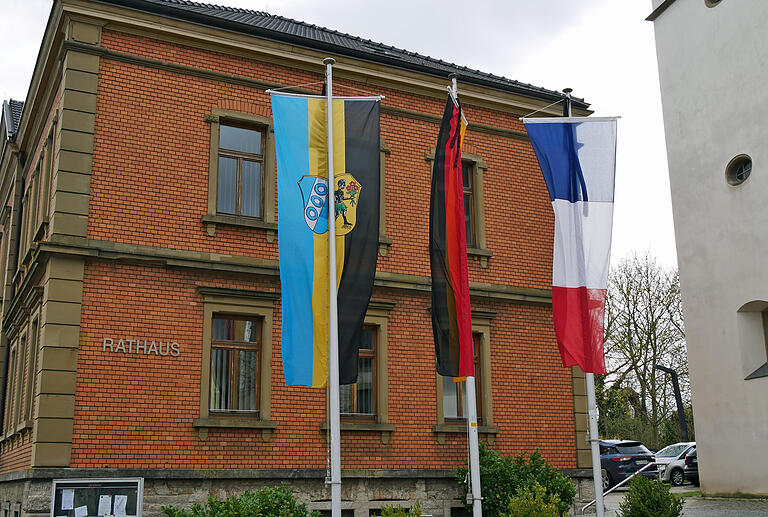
713 69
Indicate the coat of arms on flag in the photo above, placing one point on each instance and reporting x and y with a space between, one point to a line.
346 194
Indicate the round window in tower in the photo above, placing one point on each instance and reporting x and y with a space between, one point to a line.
738 170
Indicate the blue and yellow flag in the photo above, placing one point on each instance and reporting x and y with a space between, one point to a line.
303 206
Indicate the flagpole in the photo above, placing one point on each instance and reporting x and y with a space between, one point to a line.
594 438
474 446
333 341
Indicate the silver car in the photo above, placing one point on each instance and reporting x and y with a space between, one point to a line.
671 461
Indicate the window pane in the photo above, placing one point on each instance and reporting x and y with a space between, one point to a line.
468 218
240 139
345 398
365 386
220 379
466 175
227 189
251 192
450 398
366 339
247 387
222 329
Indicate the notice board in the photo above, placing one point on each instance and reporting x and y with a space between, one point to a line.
115 497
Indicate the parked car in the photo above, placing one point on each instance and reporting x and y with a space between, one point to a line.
622 458
671 461
691 470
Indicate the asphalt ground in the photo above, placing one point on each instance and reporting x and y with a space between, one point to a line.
697 506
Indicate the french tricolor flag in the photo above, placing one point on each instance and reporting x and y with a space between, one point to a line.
578 159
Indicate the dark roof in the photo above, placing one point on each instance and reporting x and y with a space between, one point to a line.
12 112
278 28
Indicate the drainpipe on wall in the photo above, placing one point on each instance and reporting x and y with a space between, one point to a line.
4 341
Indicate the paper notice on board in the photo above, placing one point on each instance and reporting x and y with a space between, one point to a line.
105 505
67 498
120 503
81 511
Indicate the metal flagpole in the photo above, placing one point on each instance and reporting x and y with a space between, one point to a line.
474 448
333 312
594 438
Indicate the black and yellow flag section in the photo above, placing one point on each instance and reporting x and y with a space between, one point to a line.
304 199
451 312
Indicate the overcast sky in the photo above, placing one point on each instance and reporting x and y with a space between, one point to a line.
603 49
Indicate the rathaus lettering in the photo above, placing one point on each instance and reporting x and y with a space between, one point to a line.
140 346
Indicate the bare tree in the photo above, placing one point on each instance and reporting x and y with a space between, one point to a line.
643 327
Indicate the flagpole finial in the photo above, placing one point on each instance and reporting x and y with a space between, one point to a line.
329 61
567 91
453 75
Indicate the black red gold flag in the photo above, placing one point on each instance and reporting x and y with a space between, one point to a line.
451 312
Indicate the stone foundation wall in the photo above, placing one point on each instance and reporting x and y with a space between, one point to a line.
362 492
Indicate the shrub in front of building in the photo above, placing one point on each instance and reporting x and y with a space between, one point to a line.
503 477
650 498
399 511
533 501
265 502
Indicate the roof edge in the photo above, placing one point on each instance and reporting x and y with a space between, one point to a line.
313 44
660 9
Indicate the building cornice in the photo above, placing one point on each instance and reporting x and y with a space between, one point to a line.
166 257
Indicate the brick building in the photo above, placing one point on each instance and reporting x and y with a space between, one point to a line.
141 297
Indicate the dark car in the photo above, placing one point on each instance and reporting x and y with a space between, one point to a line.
622 458
691 469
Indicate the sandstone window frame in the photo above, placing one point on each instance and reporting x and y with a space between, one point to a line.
247 304
376 317
478 166
30 390
384 241
216 119
481 324
46 180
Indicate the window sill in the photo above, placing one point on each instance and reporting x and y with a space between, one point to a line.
211 220
759 373
386 430
233 422
442 429
480 254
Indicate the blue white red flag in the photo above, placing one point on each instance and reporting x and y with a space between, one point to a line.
578 159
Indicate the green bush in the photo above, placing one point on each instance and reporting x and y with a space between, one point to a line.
503 477
266 502
532 501
650 498
399 511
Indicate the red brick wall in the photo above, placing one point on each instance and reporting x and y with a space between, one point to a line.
137 410
150 187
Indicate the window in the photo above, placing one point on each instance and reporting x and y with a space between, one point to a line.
752 321
359 400
451 396
467 173
18 389
472 171
241 183
8 424
34 343
241 171
364 405
455 393
738 170
236 371
235 365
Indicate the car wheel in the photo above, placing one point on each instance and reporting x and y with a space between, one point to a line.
607 481
676 477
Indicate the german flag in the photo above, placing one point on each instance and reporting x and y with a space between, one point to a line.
451 313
